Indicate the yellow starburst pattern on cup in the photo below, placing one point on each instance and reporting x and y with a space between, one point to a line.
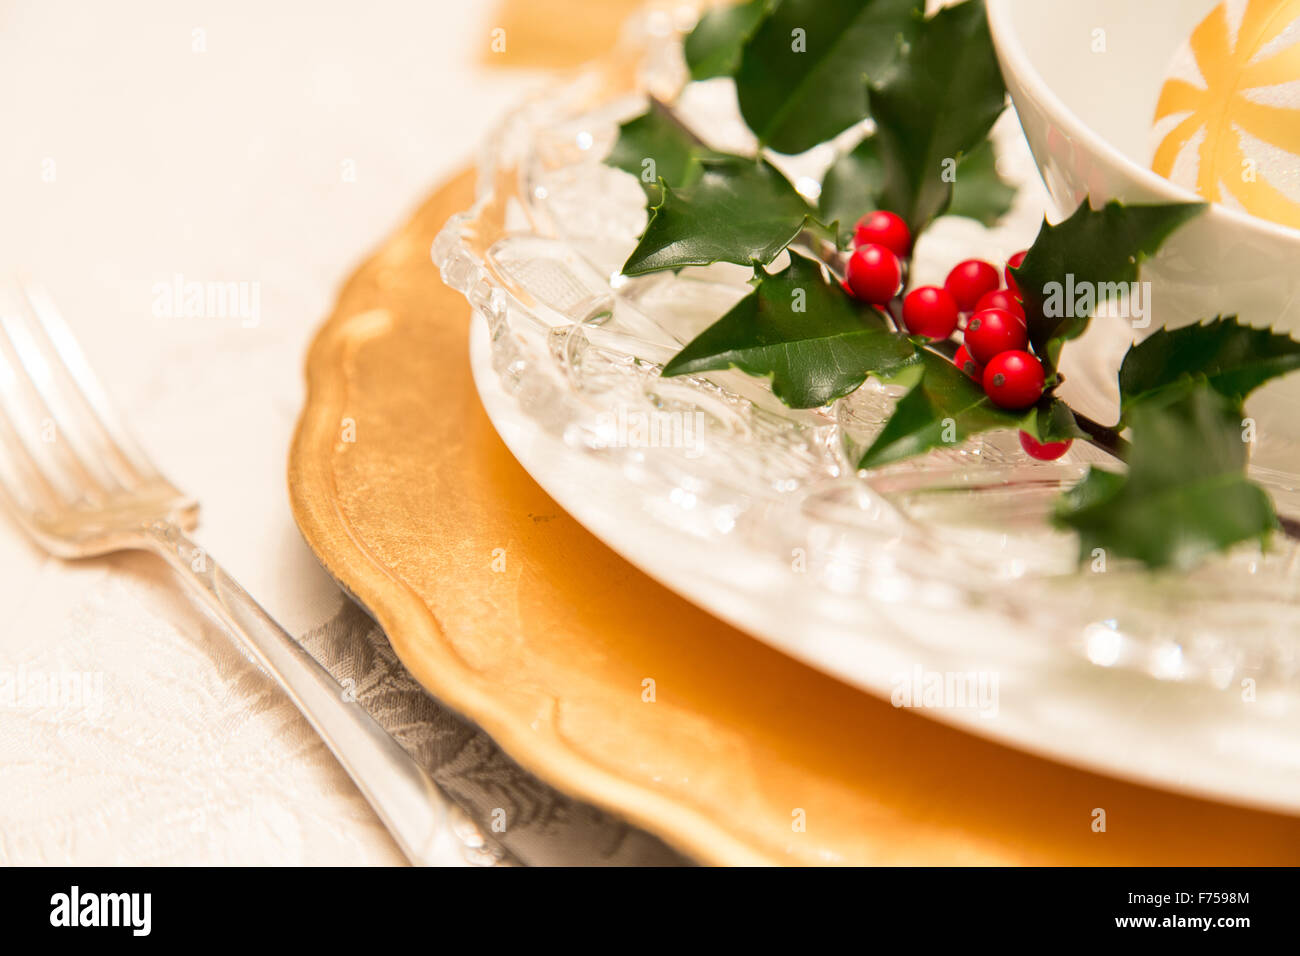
1223 109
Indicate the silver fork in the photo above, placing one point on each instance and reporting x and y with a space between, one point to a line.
81 487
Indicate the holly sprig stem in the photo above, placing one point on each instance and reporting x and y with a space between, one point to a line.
1105 437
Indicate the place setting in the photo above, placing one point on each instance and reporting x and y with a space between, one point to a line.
777 432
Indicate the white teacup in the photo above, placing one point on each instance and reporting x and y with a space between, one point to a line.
1086 101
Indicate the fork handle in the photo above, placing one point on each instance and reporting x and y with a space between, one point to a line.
403 795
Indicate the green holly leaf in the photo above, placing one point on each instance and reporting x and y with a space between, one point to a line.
737 210
1235 359
945 406
713 48
1051 420
852 186
656 146
805 333
980 193
937 106
1084 259
802 75
1185 494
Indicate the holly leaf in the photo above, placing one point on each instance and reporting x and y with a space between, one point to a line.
737 210
979 192
1082 260
1234 359
656 146
802 75
852 187
1051 420
713 48
936 107
946 406
1185 494
855 182
813 341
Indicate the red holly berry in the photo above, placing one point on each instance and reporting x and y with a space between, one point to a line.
1044 451
1014 263
969 280
967 364
993 331
874 273
884 229
930 311
1001 299
1013 380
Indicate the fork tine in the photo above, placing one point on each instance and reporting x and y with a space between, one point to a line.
53 488
22 485
64 425
93 398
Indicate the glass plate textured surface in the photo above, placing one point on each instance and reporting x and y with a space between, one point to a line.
943 565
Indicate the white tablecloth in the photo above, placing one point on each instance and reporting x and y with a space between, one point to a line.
268 144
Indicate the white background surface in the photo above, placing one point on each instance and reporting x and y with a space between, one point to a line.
224 165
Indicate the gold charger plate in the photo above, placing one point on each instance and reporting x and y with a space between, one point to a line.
507 610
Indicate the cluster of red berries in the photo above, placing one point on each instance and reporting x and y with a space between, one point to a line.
995 337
